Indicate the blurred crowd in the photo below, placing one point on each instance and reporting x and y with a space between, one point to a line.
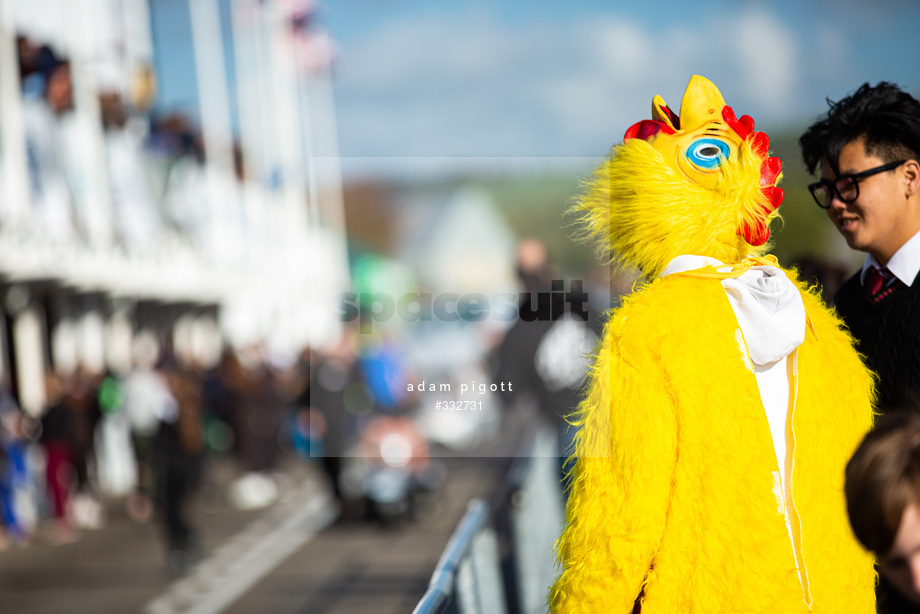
152 164
138 436
140 443
143 437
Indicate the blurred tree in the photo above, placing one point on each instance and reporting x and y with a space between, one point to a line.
535 206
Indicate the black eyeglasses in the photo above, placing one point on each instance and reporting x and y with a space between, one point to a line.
845 187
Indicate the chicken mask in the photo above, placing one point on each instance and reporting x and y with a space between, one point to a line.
701 182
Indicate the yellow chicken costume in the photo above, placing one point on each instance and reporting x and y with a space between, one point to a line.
725 399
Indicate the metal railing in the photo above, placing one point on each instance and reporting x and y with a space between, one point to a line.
535 520
467 579
500 561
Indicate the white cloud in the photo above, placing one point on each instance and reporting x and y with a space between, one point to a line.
425 50
765 51
429 87
622 46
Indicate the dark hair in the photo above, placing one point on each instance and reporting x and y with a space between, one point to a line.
886 118
882 479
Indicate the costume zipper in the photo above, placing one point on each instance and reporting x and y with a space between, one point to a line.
798 545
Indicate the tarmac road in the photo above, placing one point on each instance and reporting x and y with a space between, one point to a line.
288 558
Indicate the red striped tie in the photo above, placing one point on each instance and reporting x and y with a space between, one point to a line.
877 282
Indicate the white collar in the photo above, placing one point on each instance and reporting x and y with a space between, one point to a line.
904 264
767 305
685 263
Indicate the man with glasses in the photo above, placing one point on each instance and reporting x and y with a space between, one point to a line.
867 148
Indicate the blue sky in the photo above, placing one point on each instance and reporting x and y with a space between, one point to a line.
472 82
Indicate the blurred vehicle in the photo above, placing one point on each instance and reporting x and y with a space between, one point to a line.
392 471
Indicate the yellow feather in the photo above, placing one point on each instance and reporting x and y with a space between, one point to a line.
672 498
672 493
643 213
